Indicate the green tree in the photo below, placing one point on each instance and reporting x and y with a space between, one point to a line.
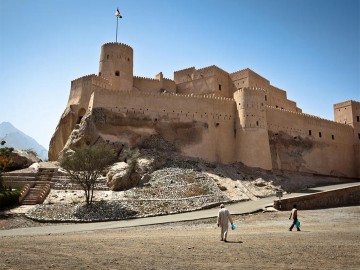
86 165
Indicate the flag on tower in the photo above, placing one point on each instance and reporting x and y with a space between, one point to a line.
117 14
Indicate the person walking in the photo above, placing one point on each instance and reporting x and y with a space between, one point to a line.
294 215
223 220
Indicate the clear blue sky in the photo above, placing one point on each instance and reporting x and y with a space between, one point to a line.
310 48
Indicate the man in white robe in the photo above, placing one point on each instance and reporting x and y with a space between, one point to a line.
223 220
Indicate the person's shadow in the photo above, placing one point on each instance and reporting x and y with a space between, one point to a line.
234 242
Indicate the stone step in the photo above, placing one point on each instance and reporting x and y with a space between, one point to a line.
29 202
17 178
35 193
18 174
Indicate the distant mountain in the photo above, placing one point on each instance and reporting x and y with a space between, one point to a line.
19 140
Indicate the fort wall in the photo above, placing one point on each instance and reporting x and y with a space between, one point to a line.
208 80
154 85
248 78
302 142
212 115
184 75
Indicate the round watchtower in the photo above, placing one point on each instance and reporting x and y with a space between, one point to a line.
252 140
116 65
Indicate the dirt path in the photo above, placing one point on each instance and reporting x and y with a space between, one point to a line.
329 240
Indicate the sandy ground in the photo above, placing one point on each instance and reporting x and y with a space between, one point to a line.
329 240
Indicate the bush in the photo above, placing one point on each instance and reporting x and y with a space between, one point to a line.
9 198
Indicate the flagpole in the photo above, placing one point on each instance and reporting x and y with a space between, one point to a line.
118 15
117 19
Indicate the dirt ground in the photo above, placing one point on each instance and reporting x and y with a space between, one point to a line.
329 240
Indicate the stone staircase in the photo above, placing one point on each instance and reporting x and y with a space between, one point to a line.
36 194
35 185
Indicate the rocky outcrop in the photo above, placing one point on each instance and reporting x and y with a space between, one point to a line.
119 177
124 176
62 133
11 159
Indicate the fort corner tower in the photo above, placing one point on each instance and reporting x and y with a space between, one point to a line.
116 65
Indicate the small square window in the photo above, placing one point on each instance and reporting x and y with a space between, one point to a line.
333 137
310 132
320 134
358 118
219 87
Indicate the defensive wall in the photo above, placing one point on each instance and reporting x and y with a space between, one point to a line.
157 85
215 141
208 80
312 145
349 196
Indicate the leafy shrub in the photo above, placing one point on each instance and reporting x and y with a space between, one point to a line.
9 198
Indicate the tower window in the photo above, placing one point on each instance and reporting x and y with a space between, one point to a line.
358 118
320 134
265 97
219 87
107 56
333 137
359 135
310 132
117 73
257 123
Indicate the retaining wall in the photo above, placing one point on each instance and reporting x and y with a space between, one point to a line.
348 196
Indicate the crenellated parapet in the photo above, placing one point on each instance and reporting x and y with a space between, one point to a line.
76 82
252 90
101 82
170 96
167 79
91 79
240 74
145 78
211 70
118 44
308 126
310 117
345 103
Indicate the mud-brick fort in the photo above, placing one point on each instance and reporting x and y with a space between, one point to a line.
207 113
